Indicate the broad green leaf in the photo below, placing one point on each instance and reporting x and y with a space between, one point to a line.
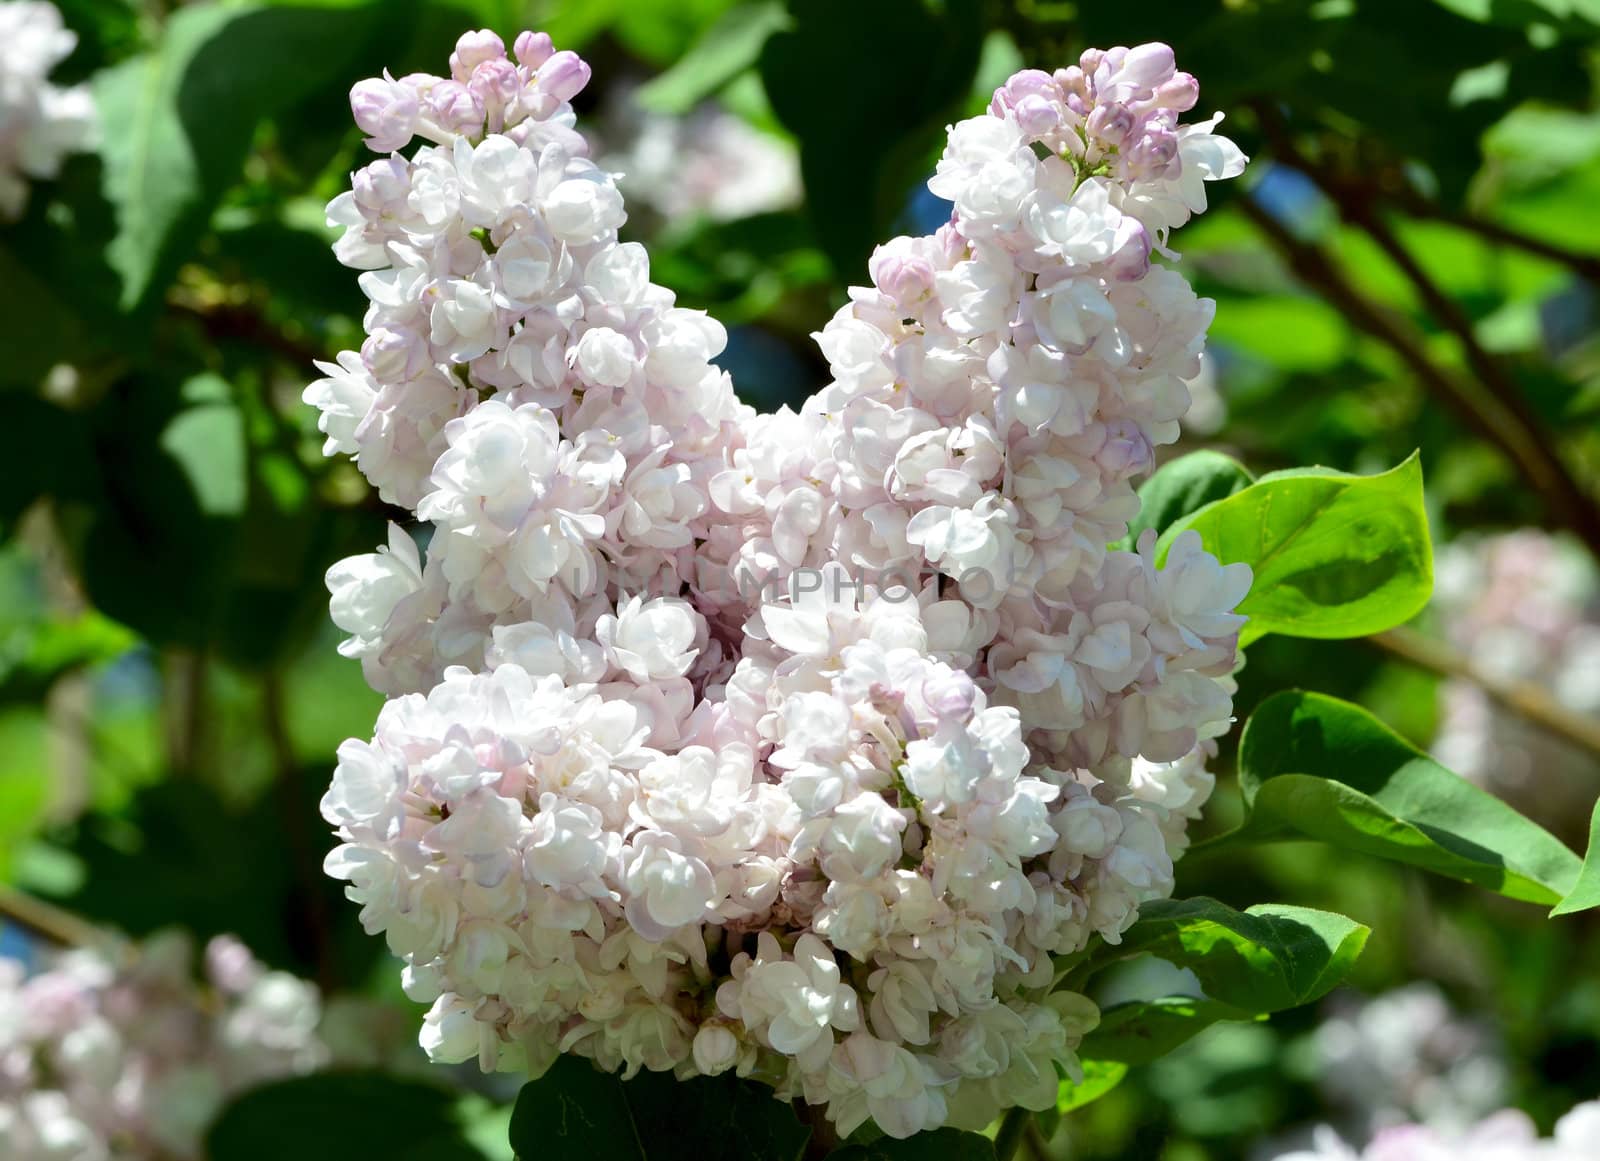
38 326
207 442
32 658
1144 1030
178 120
1334 555
1316 767
726 49
1100 1076
49 455
1265 959
1586 893
337 1116
1185 485
577 1113
1519 13
858 168
25 781
1289 333
158 548
939 1145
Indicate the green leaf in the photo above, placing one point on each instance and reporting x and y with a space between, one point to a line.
868 131
177 121
1585 894
726 49
1100 1076
339 1115
1289 333
1334 555
1520 13
1185 485
1316 767
49 456
38 327
939 1145
1265 959
577 1113
1144 1030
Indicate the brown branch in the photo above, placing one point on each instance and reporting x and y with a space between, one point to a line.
1524 698
1317 270
306 864
1356 202
1586 266
52 922
233 323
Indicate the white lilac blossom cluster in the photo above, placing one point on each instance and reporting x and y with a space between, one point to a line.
1405 1056
39 123
794 744
709 163
1508 1135
126 1056
1521 606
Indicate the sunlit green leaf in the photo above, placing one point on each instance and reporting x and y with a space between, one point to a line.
1144 1030
726 49
1312 766
1333 555
1185 485
1100 1076
1585 894
1264 959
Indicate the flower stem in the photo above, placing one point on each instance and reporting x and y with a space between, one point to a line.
1012 1130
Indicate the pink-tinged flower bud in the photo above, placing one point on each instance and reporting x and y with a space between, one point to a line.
1131 259
1028 83
1153 155
495 84
951 695
533 49
1071 80
906 278
951 244
564 75
456 108
1126 452
395 356
472 50
1037 115
1147 66
1178 94
1090 60
1111 124
386 111
381 188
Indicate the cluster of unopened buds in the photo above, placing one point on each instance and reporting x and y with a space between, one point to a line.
39 123
1509 1135
794 744
124 1054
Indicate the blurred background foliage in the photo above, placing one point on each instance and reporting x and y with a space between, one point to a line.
1412 261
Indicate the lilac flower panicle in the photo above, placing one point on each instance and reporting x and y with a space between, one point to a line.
1508 1135
39 123
127 1055
791 744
